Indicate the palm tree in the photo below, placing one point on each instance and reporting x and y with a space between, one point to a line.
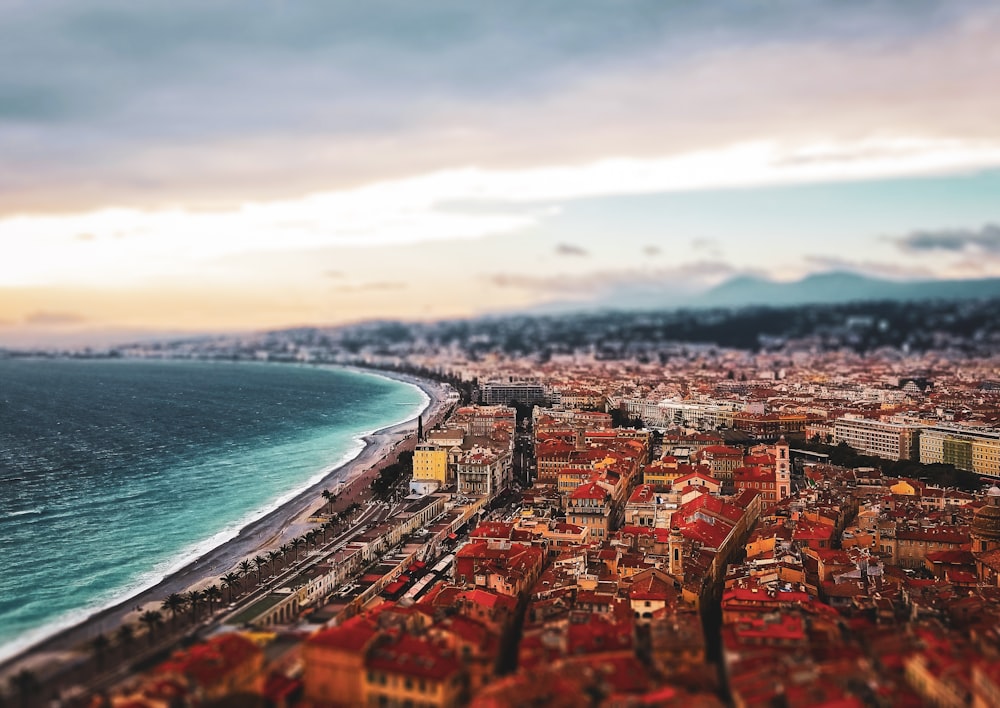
329 496
175 603
311 538
126 635
284 553
26 685
153 620
297 543
100 645
194 599
259 562
272 556
244 568
212 595
230 581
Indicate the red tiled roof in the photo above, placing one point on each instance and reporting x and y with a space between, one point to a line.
709 535
806 531
643 494
493 529
722 451
412 656
761 596
351 636
754 474
702 474
648 586
211 662
589 490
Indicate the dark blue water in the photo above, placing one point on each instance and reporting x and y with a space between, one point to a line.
115 473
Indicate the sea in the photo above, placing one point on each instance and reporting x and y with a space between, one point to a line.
115 473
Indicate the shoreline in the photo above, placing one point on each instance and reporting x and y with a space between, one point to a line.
276 527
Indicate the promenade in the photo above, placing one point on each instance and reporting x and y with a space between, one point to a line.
97 652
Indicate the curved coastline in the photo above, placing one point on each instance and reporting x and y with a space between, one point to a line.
286 518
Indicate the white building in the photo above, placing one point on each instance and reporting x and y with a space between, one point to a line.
885 439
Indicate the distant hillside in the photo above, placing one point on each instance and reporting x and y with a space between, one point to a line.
832 288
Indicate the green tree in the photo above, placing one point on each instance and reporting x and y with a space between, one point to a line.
194 599
100 645
259 562
174 603
212 595
230 581
272 558
126 635
245 567
26 684
153 620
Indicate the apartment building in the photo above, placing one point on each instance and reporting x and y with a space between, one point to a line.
889 440
971 449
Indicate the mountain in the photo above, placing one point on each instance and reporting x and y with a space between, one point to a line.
840 287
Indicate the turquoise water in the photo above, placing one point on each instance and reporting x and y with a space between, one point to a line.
115 473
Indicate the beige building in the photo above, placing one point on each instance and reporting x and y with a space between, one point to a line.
971 449
879 438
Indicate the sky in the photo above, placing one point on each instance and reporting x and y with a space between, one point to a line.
212 165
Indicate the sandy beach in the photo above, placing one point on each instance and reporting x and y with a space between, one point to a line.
278 527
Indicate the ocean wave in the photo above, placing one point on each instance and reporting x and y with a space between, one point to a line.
190 553
27 512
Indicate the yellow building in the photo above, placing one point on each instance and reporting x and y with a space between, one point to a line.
358 664
972 449
903 488
430 462
570 480
334 662
412 671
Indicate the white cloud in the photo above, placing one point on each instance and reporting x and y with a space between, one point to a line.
126 245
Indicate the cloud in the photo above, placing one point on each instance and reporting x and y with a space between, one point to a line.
691 276
53 319
895 271
135 244
569 249
363 287
986 240
651 250
111 102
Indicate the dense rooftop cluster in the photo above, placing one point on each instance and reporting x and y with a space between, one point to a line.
705 526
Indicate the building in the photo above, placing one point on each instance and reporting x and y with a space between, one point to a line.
591 506
412 671
511 389
482 471
430 463
885 439
723 461
971 449
224 665
501 566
